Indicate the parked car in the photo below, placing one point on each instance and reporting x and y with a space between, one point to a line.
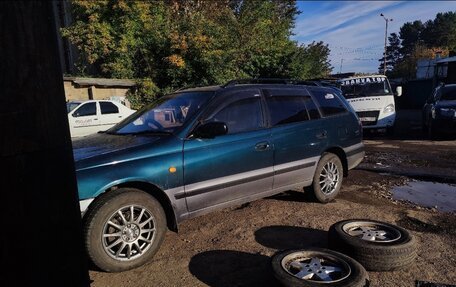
373 100
439 111
202 149
88 117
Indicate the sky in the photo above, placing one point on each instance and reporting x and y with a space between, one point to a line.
355 31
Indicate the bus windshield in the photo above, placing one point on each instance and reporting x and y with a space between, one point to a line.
365 87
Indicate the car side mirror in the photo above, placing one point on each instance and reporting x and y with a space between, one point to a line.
399 91
210 130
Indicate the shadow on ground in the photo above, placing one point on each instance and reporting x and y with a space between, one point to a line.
293 195
227 268
291 237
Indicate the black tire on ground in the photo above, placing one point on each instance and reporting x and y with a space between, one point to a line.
315 191
357 276
147 211
374 255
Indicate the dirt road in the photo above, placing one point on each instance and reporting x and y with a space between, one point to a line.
232 247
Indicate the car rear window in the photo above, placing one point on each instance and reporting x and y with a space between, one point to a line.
108 108
329 103
287 109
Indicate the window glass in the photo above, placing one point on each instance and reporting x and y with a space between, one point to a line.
329 103
164 115
71 106
241 116
287 109
88 109
448 94
108 108
312 109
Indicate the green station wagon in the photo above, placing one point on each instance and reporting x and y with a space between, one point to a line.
203 149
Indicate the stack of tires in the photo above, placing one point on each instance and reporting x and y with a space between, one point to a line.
356 245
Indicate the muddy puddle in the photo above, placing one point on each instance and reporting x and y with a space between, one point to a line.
428 194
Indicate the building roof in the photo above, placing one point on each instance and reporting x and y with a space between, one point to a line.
446 60
101 82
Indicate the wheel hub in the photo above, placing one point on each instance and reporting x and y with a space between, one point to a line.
130 232
316 268
372 231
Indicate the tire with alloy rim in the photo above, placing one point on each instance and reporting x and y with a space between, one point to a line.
327 179
318 267
378 246
124 229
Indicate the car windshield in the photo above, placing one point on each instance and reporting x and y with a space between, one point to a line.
165 115
71 106
365 87
449 94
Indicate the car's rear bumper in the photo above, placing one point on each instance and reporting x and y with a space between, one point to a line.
355 155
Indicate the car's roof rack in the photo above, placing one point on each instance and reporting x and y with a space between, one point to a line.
258 81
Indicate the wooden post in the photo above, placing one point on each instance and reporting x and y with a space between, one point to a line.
41 236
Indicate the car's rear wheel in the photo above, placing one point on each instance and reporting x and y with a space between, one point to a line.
327 179
124 229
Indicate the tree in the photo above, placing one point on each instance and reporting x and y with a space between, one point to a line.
419 41
393 54
410 34
310 61
441 32
172 44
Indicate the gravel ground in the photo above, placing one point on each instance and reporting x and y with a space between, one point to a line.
233 247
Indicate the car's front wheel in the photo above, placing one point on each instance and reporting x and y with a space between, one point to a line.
327 179
124 229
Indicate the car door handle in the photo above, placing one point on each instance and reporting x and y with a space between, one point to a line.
322 135
261 146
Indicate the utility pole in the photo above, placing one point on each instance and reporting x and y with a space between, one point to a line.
386 36
341 62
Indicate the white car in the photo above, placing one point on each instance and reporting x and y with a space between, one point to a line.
89 117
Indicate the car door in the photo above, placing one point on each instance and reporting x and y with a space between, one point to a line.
109 115
232 166
84 119
297 135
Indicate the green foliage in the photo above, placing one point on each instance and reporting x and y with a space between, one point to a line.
144 93
171 43
310 61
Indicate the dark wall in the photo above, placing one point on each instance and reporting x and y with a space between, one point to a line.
41 235
415 93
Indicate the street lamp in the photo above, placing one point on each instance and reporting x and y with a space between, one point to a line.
386 34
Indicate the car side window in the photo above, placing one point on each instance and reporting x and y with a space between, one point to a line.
108 108
287 109
87 109
241 116
329 103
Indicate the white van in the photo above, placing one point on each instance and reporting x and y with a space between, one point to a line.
89 117
372 99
